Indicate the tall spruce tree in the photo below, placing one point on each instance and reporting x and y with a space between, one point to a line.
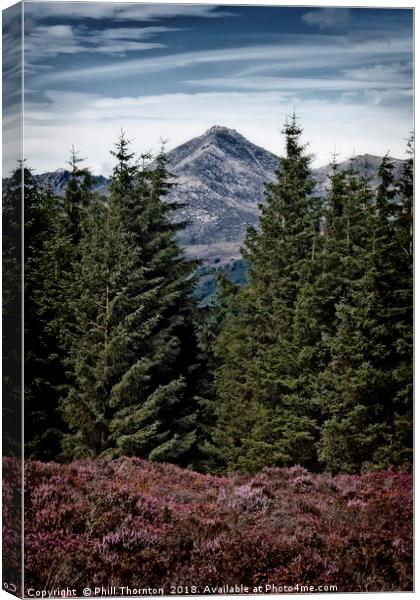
52 235
44 370
94 335
11 312
159 418
75 196
211 323
348 386
133 390
390 281
110 282
359 389
266 415
65 250
401 436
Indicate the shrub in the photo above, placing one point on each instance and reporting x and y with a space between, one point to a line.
129 522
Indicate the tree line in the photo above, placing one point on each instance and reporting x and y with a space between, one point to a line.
314 356
309 362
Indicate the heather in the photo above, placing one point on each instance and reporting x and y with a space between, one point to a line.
12 522
137 523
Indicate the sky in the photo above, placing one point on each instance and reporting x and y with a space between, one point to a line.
172 71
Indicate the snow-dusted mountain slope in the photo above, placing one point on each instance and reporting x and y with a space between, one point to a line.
58 179
220 178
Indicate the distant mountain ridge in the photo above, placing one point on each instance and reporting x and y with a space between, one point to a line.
220 178
57 181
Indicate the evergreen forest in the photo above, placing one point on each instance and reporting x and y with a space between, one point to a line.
308 363
260 442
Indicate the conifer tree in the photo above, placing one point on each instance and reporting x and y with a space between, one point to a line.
159 419
401 435
359 389
133 358
349 389
11 312
52 234
110 283
75 196
266 415
211 323
52 226
44 370
105 253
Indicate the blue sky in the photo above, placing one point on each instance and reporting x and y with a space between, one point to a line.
172 71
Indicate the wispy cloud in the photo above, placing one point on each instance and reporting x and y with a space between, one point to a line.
12 46
306 84
390 96
122 12
107 65
327 18
45 41
266 53
92 122
392 74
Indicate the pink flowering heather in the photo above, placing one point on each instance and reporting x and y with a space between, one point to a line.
11 522
130 522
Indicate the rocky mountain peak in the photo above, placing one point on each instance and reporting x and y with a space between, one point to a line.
218 132
223 138
215 144
220 129
220 178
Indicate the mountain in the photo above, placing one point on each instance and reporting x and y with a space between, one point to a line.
57 181
220 178
373 162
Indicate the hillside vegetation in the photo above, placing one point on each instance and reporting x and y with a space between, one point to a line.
134 523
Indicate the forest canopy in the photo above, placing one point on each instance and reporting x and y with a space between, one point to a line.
309 362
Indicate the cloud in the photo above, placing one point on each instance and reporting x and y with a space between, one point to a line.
287 84
278 54
45 41
349 87
12 45
380 97
327 18
152 12
92 122
392 74
118 36
122 12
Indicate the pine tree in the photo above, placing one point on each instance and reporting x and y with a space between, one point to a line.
349 386
76 195
52 235
12 308
105 253
266 414
44 370
159 420
359 389
211 323
400 441
133 357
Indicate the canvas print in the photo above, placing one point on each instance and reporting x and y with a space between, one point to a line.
207 299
